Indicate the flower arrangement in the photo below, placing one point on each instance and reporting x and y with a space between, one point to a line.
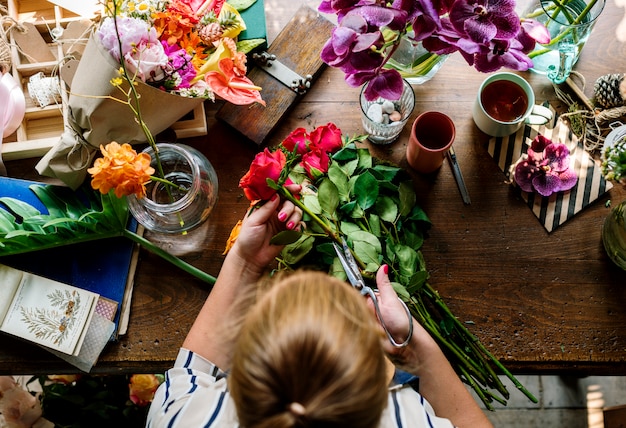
545 168
186 47
613 164
77 400
346 193
487 33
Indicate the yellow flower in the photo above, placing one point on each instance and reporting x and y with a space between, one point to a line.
142 388
122 169
65 379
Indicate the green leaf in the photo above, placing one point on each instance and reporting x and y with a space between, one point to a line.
293 253
241 5
374 225
340 180
416 281
349 167
20 208
328 197
365 158
386 171
249 45
401 291
418 214
407 197
407 260
366 252
367 237
348 227
387 209
312 203
285 237
347 153
366 190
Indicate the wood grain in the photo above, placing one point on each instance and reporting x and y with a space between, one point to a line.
541 302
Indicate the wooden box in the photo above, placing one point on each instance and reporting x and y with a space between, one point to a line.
43 125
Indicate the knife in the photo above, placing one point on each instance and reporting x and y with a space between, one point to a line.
458 176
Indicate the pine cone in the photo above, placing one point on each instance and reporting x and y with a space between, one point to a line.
610 90
210 33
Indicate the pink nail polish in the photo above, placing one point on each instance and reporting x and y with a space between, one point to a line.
282 216
290 225
386 269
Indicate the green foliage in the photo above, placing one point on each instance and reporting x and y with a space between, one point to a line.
72 217
373 206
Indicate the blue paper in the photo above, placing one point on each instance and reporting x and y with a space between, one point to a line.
101 266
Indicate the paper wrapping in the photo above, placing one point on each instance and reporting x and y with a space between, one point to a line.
93 118
554 210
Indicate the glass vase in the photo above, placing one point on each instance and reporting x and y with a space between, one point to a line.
570 23
414 62
187 204
614 235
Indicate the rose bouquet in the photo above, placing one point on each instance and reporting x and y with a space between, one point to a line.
487 33
174 53
346 193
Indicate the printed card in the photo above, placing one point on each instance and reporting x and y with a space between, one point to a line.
46 312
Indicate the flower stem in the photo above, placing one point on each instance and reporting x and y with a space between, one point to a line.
169 257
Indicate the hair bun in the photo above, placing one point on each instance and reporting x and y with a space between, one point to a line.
297 409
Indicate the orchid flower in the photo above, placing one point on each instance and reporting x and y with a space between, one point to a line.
546 168
487 33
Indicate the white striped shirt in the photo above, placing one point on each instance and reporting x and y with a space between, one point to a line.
195 394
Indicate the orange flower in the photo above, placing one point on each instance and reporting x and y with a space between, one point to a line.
234 233
235 89
142 388
121 169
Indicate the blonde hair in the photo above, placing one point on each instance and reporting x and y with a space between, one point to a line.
309 354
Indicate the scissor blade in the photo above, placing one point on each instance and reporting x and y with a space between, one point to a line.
345 264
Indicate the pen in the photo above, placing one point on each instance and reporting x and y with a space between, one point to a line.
458 176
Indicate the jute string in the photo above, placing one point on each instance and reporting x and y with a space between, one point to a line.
594 124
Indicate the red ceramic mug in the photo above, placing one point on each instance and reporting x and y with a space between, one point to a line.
431 136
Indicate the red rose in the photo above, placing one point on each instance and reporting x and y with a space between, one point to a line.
327 138
298 138
265 165
315 163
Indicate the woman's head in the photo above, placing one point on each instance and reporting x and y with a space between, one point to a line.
309 354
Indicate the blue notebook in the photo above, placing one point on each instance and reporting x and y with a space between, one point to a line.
102 266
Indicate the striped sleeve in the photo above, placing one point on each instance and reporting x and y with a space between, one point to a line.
408 409
194 394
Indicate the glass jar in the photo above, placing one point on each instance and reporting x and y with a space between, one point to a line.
614 235
187 204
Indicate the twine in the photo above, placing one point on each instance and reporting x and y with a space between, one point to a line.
5 48
595 124
44 90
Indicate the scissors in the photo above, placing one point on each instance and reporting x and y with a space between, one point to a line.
356 279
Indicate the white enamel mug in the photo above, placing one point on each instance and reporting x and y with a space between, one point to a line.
534 114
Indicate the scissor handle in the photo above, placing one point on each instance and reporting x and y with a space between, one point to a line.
369 292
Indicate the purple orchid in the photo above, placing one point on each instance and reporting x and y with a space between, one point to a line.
487 33
546 168
484 20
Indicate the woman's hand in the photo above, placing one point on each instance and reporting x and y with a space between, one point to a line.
260 225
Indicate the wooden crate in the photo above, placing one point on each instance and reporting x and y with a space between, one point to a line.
42 126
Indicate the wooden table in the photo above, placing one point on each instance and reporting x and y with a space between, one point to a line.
541 302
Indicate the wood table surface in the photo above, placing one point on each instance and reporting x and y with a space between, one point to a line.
541 302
